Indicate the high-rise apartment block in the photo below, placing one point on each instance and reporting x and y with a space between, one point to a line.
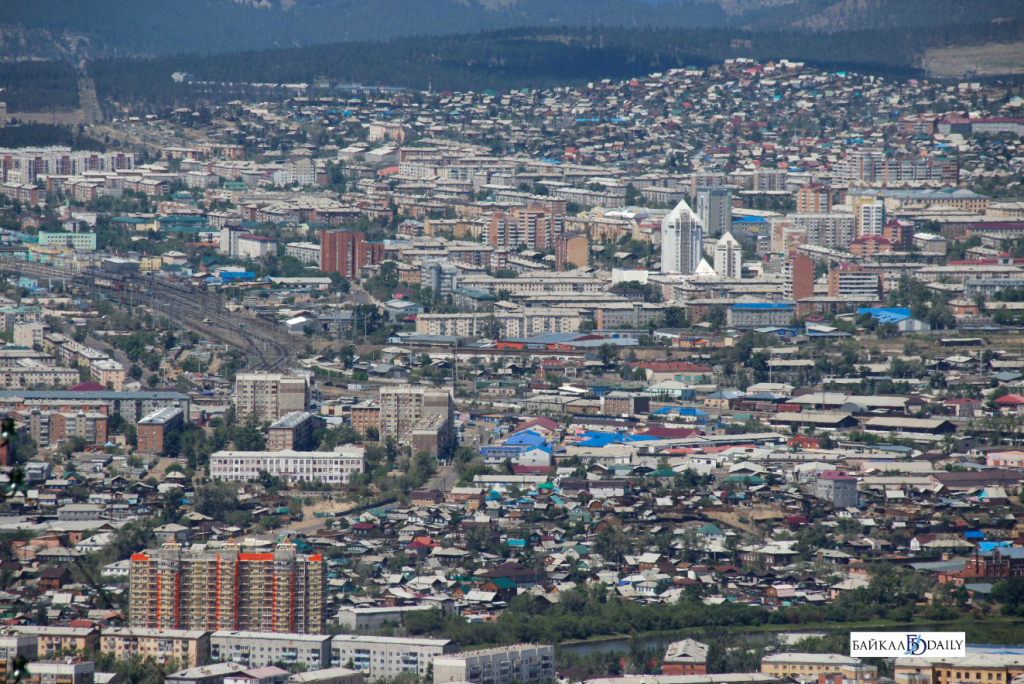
347 252
728 257
212 588
714 207
870 216
269 396
532 227
407 411
799 276
813 198
682 240
440 276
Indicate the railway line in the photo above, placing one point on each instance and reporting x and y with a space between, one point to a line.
263 344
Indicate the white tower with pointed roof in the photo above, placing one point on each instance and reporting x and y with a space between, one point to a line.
682 240
728 257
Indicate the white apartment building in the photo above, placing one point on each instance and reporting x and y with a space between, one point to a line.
728 257
384 657
682 240
259 649
335 467
521 663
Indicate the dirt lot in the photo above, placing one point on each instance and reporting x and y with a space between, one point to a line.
983 60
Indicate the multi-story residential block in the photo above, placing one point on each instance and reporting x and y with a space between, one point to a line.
837 488
365 415
132 406
306 252
347 252
405 408
77 241
15 648
759 315
728 257
808 667
270 396
187 648
532 227
798 271
853 280
572 250
682 240
440 276
259 649
714 208
213 588
48 428
61 672
28 373
155 429
29 334
294 432
521 663
813 198
333 467
379 657
56 640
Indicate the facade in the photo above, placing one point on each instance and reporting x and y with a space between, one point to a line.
714 207
372 618
728 257
439 276
55 640
306 252
48 428
798 270
532 226
572 250
188 648
870 215
813 198
682 240
61 672
28 335
686 657
853 280
294 432
379 657
521 663
808 667
211 588
839 489
758 315
259 649
406 408
332 467
270 396
76 241
347 253
154 430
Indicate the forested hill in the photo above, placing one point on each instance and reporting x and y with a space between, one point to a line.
518 58
75 30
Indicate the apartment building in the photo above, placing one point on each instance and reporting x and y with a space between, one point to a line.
54 640
853 280
28 373
758 315
61 672
48 428
14 648
572 250
188 648
986 664
28 335
155 429
258 649
521 663
813 198
132 406
306 252
332 467
365 415
532 227
406 408
379 657
808 666
294 432
214 588
347 253
270 396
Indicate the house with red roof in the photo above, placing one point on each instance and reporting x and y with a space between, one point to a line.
1010 404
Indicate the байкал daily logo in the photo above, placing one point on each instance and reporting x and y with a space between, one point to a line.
902 644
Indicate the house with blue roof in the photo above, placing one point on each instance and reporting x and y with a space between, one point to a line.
900 316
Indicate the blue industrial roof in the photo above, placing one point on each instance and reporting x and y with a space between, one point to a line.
886 315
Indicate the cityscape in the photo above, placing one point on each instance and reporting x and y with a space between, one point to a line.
685 377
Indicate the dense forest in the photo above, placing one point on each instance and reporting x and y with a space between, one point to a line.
43 135
38 86
517 58
79 30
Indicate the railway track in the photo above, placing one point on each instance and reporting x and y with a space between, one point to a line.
263 344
